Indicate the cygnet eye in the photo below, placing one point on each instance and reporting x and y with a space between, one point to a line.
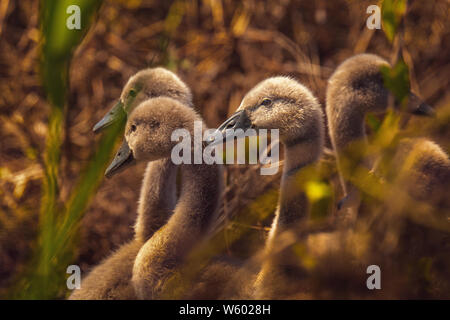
132 93
133 128
266 102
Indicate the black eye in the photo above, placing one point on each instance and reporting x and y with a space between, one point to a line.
132 93
133 128
266 102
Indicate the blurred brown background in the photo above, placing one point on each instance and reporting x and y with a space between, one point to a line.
221 48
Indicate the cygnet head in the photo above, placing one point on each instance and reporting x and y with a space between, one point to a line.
149 130
146 84
280 103
357 86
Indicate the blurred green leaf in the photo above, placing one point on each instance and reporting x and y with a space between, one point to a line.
392 12
388 131
396 80
316 190
307 260
59 43
45 276
373 122
320 198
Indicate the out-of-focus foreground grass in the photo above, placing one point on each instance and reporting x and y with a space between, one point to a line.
58 221
55 87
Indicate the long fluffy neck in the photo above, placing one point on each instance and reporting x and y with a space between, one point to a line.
199 197
157 198
293 204
346 125
348 137
292 210
165 252
293 207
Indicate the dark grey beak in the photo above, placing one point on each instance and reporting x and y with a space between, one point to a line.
238 120
112 116
123 159
418 107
